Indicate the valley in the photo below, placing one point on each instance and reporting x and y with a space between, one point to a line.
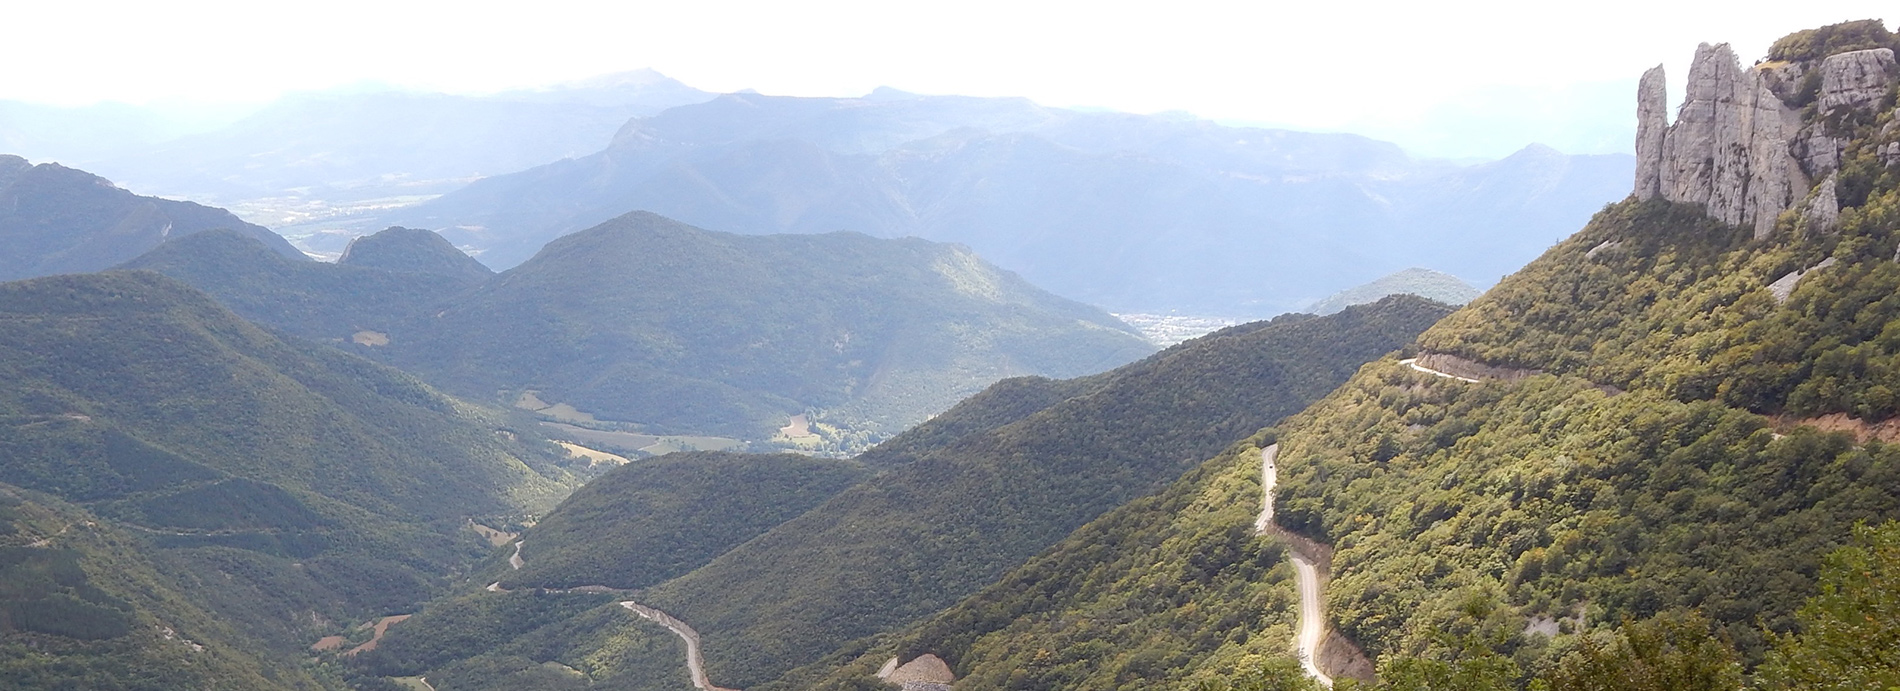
621 384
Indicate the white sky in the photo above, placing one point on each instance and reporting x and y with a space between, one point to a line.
1417 72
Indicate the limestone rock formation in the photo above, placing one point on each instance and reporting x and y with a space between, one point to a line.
1855 79
1729 147
1824 206
1652 120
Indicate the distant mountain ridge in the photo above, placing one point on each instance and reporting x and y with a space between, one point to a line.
311 155
650 320
1134 213
1425 283
677 329
55 219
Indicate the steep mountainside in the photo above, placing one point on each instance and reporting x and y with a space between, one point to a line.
969 502
55 219
317 300
646 320
82 607
1666 412
647 522
1135 213
286 485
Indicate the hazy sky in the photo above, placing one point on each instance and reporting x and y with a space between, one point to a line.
1444 78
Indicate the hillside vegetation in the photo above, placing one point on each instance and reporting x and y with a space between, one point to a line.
316 300
284 484
682 330
1641 493
647 522
81 606
971 494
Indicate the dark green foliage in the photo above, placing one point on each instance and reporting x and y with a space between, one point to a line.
1850 632
1815 44
233 504
55 219
916 539
469 626
282 484
45 591
82 608
652 520
647 320
1169 591
519 638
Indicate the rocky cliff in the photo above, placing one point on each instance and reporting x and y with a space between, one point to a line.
1747 144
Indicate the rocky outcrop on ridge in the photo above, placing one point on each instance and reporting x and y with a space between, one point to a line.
1739 148
1729 147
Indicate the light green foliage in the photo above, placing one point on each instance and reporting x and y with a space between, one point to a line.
1269 674
1472 667
1850 632
1674 651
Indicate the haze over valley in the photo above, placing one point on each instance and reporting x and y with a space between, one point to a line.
465 349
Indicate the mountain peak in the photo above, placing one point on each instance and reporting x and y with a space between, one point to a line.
413 250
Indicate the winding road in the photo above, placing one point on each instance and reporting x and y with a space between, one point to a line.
1413 363
1312 611
695 664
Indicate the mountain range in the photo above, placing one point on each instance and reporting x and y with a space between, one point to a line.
1657 457
1134 213
60 220
311 155
676 329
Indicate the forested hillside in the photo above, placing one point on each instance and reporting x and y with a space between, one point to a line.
284 485
316 300
647 320
83 606
1623 467
968 496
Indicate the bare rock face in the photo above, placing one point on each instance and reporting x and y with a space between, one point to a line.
1729 148
1652 120
1818 152
1854 79
1824 206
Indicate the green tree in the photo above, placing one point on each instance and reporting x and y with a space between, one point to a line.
1850 632
1474 667
1674 651
1271 674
